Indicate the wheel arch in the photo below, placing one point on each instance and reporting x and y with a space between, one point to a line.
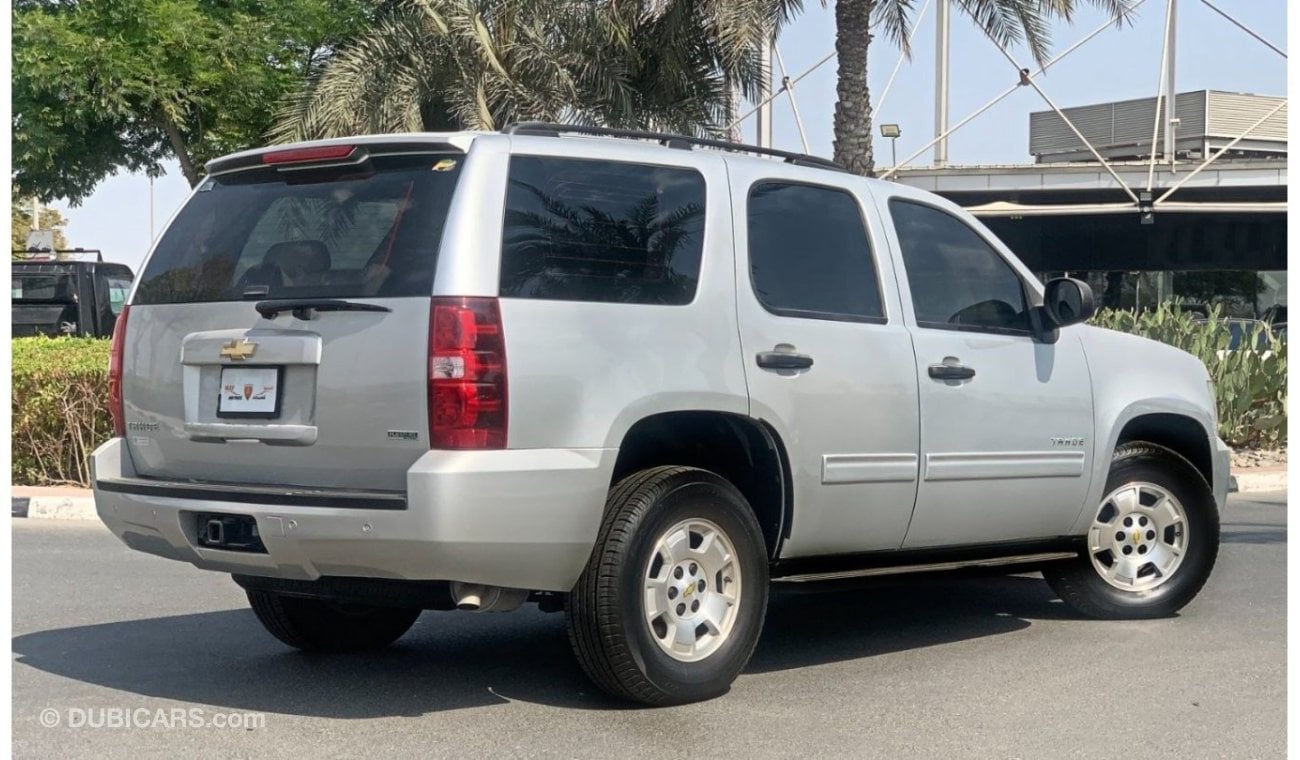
747 452
1179 427
1178 433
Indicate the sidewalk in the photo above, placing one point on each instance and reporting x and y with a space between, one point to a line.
54 503
1246 480
65 503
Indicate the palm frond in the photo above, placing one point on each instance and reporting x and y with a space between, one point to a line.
894 18
483 63
1011 22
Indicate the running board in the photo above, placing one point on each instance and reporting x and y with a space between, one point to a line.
866 572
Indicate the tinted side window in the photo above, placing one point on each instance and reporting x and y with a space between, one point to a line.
50 288
580 230
958 281
118 287
809 255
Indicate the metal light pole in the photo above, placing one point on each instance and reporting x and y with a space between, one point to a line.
1171 91
764 137
893 132
941 83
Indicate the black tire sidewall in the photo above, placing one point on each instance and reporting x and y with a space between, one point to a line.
695 495
1177 476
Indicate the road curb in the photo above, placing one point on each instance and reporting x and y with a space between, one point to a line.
1246 481
55 507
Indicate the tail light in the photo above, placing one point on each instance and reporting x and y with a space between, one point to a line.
307 155
116 348
467 374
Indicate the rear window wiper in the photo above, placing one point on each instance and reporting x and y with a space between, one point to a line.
305 308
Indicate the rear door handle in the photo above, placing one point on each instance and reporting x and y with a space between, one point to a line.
951 372
783 360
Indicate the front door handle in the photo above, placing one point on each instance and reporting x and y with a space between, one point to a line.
783 360
951 372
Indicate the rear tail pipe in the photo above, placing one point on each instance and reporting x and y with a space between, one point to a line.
476 597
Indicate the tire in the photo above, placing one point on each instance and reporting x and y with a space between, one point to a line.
319 625
1150 473
658 521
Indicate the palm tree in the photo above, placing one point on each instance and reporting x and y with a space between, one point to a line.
1007 22
480 64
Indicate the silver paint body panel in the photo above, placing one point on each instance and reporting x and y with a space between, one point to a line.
857 404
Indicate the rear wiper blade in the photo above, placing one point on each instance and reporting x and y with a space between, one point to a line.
305 308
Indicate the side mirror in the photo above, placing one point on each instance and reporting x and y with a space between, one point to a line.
1068 301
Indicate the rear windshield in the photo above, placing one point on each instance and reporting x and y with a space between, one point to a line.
373 231
43 288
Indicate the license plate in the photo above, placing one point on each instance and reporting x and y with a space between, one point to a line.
250 392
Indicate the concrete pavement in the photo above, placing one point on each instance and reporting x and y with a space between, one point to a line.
936 667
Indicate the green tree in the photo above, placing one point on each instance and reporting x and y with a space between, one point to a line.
111 85
1007 22
481 64
21 224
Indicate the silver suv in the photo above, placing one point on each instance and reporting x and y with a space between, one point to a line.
636 378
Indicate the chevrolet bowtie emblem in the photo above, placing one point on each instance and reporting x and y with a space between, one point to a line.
238 350
1137 536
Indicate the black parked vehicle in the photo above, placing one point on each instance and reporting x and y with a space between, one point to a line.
61 297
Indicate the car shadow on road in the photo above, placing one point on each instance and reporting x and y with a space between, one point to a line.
458 660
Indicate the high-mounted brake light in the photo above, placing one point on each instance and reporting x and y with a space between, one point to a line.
115 353
305 155
467 374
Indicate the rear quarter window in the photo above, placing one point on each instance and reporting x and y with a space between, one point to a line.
584 230
49 288
353 232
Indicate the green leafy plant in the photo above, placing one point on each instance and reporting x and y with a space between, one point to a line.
60 411
1249 382
125 85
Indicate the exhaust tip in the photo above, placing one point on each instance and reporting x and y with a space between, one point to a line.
475 597
469 597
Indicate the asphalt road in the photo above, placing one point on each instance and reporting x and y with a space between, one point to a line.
975 667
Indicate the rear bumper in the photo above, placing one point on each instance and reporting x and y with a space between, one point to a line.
520 518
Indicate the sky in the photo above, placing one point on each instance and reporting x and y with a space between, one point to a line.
1117 65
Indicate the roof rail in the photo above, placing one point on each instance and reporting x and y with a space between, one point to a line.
56 255
668 139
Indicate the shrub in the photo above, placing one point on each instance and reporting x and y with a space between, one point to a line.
1249 383
60 412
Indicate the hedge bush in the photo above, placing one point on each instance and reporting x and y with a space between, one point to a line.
1249 385
60 414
